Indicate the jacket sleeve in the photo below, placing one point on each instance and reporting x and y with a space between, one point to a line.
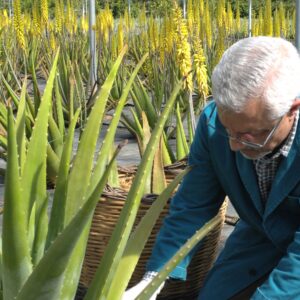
284 280
198 199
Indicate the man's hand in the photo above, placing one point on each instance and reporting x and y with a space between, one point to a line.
133 292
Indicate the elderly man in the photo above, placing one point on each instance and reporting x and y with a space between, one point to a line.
246 146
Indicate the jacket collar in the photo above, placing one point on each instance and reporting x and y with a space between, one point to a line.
286 178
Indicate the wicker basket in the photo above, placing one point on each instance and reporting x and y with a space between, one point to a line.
126 174
105 217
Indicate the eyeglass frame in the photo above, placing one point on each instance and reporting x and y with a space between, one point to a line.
251 145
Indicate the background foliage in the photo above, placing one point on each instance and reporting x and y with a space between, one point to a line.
156 7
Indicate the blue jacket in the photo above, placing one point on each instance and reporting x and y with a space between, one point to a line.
264 240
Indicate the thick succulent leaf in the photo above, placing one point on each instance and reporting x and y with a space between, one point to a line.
158 178
102 281
10 91
55 136
58 108
190 130
113 178
16 255
177 258
181 143
36 90
33 181
145 141
138 239
52 164
149 108
168 156
20 127
57 217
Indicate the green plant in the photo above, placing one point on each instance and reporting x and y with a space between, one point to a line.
42 258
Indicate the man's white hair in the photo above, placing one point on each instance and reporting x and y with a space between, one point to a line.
258 69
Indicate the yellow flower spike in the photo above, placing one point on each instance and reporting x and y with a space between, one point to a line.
238 18
276 25
229 18
260 22
282 20
44 13
19 24
268 28
84 24
5 18
190 16
120 35
36 23
58 17
197 19
183 48
220 48
208 25
255 26
220 14
200 69
169 35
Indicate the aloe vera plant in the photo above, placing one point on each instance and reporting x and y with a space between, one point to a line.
32 239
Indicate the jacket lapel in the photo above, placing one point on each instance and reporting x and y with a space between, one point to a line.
248 177
287 176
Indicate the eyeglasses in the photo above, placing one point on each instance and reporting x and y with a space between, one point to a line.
249 144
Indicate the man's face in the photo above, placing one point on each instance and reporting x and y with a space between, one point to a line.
253 126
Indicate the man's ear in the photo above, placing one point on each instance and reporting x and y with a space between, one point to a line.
295 106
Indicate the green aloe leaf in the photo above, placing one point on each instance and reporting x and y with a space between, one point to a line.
36 91
138 239
15 248
145 141
168 156
33 181
46 279
158 180
58 108
181 143
10 91
57 218
79 187
20 127
101 283
55 136
176 259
